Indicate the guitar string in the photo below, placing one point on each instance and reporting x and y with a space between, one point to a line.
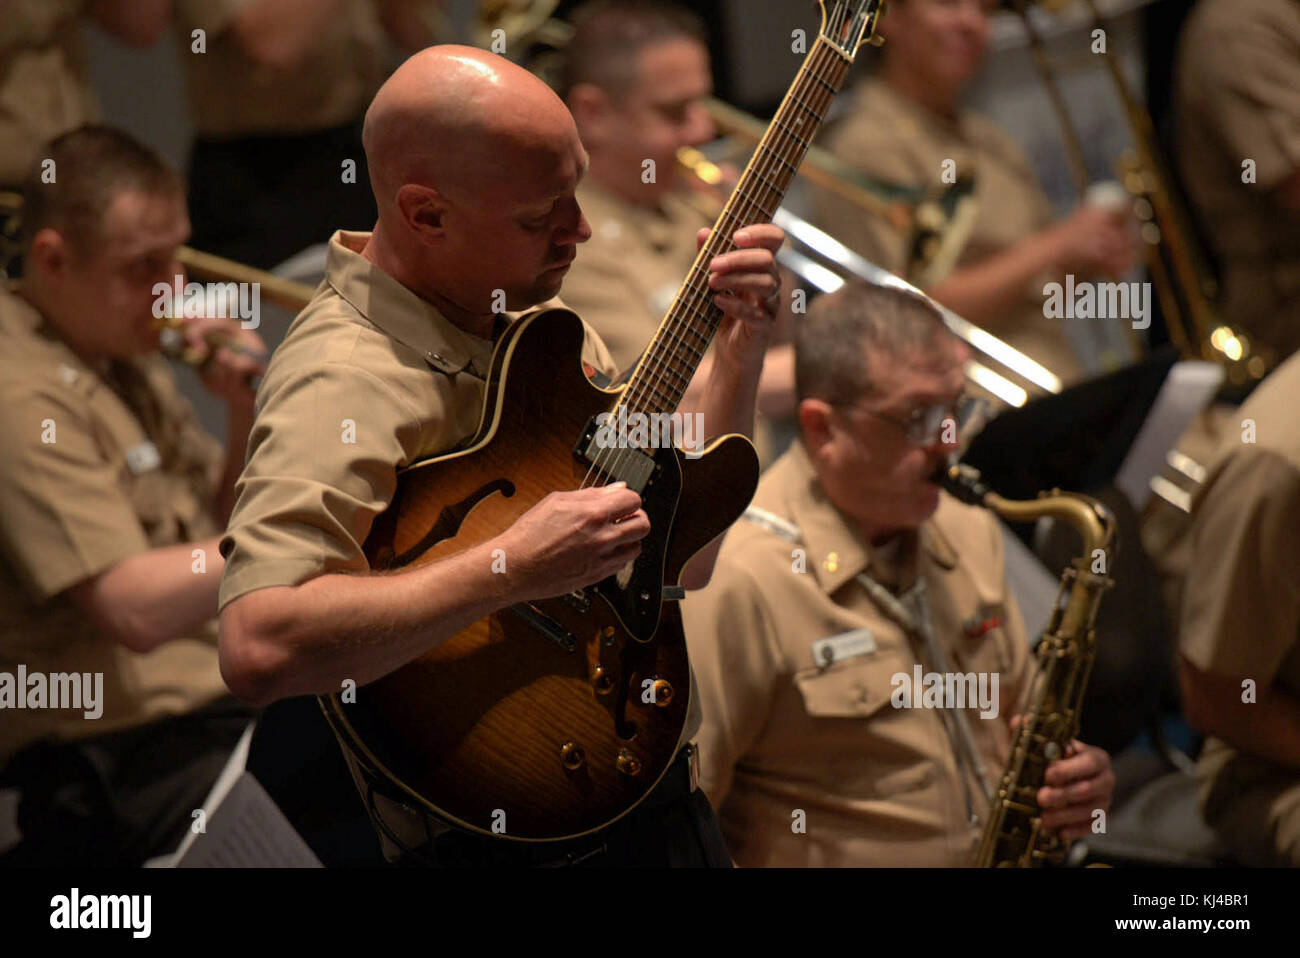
735 217
670 348
670 345
748 203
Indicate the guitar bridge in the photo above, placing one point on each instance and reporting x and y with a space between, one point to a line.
578 599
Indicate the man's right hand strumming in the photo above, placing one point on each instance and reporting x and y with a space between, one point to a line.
573 539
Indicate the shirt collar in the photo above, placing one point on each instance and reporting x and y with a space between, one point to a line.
401 314
22 320
837 553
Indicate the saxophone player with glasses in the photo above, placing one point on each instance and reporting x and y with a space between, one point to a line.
853 575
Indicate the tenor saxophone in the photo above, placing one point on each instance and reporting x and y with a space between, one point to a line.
1013 834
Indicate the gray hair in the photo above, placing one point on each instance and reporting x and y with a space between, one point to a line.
831 343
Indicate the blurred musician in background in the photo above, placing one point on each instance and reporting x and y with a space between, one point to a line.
1238 125
798 640
277 90
1240 631
635 77
44 76
113 499
906 124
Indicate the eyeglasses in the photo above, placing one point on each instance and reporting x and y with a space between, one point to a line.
926 424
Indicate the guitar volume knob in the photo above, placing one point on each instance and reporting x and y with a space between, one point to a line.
627 763
572 756
663 692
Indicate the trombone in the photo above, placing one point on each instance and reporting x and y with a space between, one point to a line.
1175 261
935 218
824 264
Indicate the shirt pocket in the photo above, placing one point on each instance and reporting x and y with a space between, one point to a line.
885 752
857 687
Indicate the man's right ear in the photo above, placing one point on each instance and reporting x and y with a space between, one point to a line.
815 425
421 209
47 252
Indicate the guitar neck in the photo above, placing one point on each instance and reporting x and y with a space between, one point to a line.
668 365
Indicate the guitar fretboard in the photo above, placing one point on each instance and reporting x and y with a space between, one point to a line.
660 379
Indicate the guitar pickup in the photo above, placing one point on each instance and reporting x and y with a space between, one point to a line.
674 593
620 463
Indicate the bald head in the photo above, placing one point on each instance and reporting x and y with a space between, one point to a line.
453 117
475 165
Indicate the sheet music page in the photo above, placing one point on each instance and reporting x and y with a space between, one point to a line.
247 830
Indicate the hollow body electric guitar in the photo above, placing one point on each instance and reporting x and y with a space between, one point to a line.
550 719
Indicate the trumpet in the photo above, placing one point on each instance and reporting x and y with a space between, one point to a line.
172 342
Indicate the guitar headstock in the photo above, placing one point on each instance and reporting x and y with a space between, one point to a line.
848 24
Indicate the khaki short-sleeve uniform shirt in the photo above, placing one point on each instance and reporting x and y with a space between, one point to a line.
44 80
99 465
1241 604
1238 99
893 139
809 763
231 96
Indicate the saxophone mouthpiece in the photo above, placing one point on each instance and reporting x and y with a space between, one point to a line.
961 481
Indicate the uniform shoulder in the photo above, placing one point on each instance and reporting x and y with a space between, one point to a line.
1213 33
40 375
330 331
870 116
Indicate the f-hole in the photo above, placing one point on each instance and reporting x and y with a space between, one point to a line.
450 520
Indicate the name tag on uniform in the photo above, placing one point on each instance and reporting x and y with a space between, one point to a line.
143 458
846 645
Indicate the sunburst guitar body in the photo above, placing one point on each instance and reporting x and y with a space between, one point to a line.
557 717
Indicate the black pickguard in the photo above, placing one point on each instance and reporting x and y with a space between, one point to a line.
638 605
